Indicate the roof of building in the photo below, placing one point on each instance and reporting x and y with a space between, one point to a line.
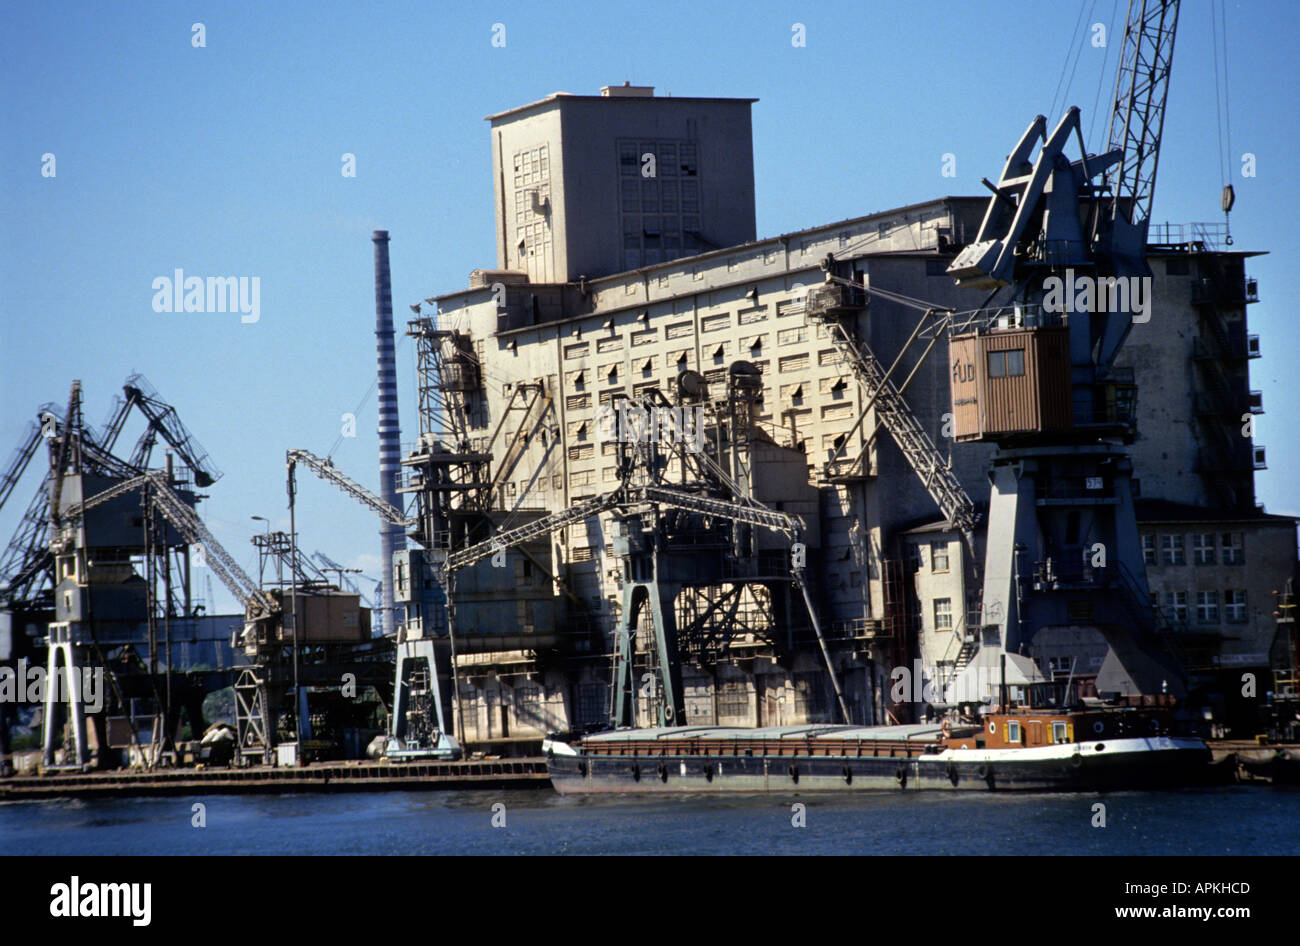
1162 510
937 525
569 96
727 250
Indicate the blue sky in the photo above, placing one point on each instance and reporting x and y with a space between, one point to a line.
225 160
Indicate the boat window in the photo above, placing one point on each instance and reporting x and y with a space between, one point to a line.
1059 733
1013 732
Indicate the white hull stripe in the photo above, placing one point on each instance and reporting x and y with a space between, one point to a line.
1065 751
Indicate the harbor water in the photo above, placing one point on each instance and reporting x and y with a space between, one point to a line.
1236 820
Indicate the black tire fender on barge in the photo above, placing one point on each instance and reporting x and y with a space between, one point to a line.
901 774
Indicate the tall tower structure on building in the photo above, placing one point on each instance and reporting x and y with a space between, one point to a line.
591 185
391 537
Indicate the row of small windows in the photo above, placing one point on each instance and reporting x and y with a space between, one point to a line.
717 322
1207 606
1207 548
670 158
532 166
653 197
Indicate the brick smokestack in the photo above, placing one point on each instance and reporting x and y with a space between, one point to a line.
391 538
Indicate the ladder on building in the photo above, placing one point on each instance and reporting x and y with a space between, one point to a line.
916 446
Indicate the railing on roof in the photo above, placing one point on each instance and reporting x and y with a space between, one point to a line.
1006 317
1203 236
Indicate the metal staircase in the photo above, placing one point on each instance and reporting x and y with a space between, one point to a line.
916 446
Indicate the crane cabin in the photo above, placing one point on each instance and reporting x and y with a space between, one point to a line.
1010 379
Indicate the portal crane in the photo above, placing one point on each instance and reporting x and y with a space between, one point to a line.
622 500
26 559
259 607
1062 530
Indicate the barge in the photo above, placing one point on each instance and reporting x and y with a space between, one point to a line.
1010 751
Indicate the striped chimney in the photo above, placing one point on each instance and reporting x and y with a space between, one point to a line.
391 537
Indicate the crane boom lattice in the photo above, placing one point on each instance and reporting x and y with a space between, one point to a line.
327 471
916 446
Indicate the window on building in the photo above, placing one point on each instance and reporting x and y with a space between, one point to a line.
591 703
943 614
1234 605
1172 546
1176 606
1207 607
939 556
1060 667
1148 549
528 705
1007 364
733 698
1234 551
1203 548
810 697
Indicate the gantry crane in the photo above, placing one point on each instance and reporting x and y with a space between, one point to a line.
25 565
1063 546
91 561
624 501
261 611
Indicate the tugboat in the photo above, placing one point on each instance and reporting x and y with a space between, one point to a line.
1095 748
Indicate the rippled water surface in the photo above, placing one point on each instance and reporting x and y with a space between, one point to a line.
1235 820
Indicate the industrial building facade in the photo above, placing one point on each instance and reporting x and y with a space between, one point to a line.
627 257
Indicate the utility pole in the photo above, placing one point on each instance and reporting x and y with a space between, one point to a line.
293 611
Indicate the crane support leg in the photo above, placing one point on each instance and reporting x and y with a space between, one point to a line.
821 642
253 723
423 676
669 694
64 689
